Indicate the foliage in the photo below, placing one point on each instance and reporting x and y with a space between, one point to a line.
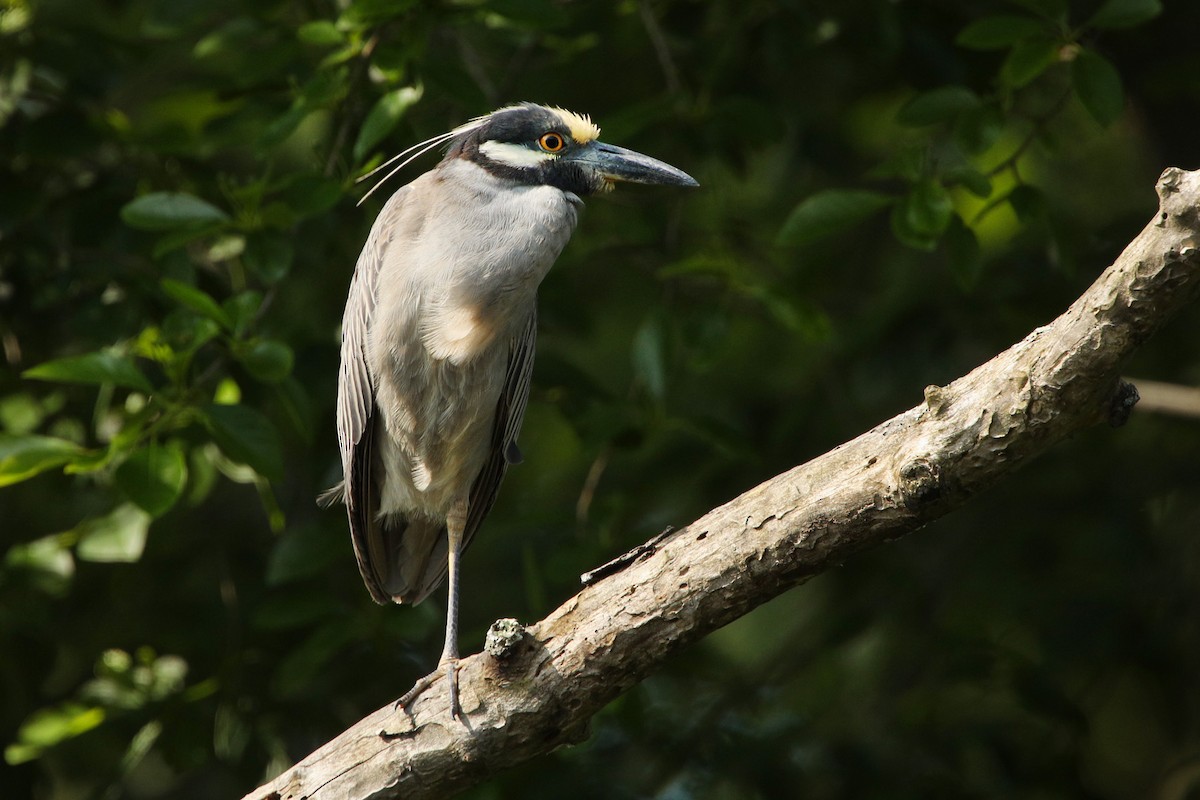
891 192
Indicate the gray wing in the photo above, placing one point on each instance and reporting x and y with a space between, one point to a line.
510 412
356 396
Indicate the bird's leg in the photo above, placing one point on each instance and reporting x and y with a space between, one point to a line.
456 523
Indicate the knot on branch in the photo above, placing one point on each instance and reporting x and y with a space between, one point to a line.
1122 402
503 637
920 483
1177 192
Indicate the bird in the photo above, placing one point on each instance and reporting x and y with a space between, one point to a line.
438 340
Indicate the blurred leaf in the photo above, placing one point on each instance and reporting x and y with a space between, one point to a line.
296 405
48 559
22 413
140 745
269 360
197 301
1125 13
309 195
963 252
530 13
830 212
648 358
154 477
242 309
970 179
1098 85
22 457
166 210
321 33
999 32
302 553
979 128
283 125
269 256
1027 60
939 105
921 216
246 437
374 12
383 118
100 367
47 727
1027 202
118 536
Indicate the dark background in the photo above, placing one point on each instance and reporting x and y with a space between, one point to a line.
188 626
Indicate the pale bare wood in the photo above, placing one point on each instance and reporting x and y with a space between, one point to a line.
1168 398
888 482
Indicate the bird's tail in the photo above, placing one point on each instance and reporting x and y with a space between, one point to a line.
407 556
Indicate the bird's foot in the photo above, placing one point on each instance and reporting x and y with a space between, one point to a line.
449 668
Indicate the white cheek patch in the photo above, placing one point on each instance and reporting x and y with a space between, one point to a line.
514 155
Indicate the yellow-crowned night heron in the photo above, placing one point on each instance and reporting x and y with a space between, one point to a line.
438 340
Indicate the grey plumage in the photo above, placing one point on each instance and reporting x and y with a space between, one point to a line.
433 386
438 338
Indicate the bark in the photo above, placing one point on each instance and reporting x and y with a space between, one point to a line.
538 689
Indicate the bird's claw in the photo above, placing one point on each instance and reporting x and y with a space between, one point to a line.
449 668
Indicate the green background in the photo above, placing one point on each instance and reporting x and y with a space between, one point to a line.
892 192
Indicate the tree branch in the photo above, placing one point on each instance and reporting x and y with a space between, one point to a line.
541 690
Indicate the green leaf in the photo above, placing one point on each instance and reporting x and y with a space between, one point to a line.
1027 60
1027 202
1098 85
247 437
197 301
154 477
970 179
47 727
921 216
1125 13
309 195
939 105
22 457
101 367
47 562
119 536
269 256
998 32
963 251
383 118
242 309
269 360
159 211
322 33
979 128
830 212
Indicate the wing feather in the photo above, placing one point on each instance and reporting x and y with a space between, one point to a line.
356 401
510 412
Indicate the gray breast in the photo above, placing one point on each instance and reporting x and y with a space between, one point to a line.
458 283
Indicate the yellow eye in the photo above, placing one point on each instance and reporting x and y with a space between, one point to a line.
552 142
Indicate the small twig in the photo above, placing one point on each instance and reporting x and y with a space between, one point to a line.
1167 398
661 50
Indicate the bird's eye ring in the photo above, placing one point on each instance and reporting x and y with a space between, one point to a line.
552 142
